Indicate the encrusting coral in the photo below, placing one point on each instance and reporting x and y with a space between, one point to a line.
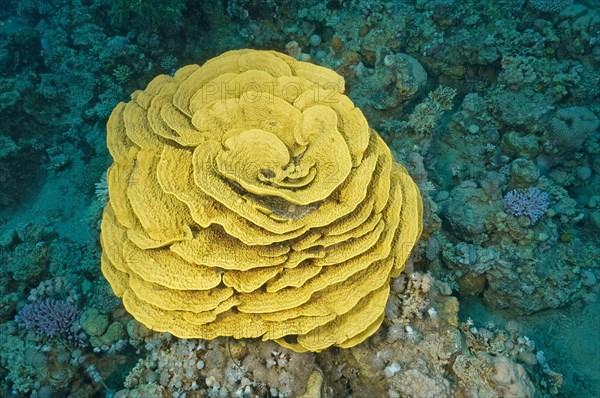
249 198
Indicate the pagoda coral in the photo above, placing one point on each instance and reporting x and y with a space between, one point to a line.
249 198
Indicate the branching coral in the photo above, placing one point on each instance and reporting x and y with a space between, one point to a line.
48 317
249 198
532 203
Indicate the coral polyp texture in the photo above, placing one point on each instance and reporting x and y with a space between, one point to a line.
249 198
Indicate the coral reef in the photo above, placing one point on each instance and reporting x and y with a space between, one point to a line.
220 368
477 99
421 351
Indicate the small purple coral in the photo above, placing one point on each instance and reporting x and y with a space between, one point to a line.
48 317
532 202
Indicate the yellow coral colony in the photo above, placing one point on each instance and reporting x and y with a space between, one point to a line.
249 198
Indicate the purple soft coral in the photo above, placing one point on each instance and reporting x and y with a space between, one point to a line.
48 317
532 202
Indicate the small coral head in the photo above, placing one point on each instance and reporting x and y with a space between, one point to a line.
532 203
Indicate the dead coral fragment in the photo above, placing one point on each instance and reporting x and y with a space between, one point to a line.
249 198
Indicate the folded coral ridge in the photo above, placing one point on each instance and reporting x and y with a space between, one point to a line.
249 198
